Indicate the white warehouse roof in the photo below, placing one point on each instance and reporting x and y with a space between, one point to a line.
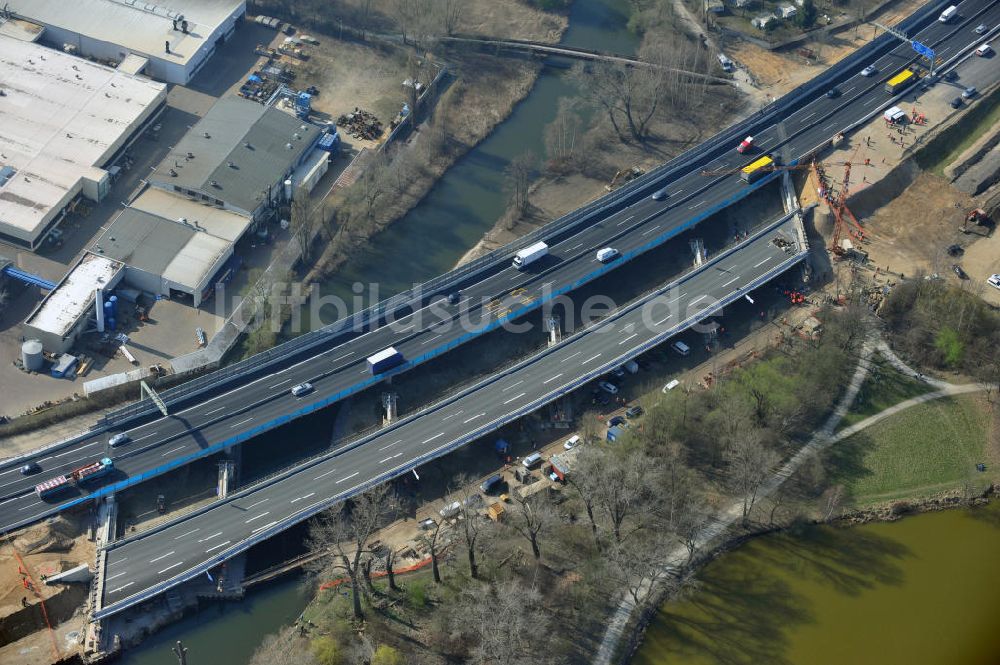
61 119
73 298
140 26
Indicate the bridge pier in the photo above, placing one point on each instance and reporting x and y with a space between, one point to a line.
554 326
698 249
228 469
389 404
107 523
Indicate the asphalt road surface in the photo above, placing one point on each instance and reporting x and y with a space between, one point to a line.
201 429
194 544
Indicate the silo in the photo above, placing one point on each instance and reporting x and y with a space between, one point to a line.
31 355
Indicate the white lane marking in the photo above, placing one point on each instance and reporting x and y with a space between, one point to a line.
115 563
648 231
515 398
436 436
628 338
208 413
324 475
513 385
389 458
124 586
515 276
551 379
591 358
186 533
261 528
173 450
212 549
162 556
478 415
449 417
576 247
624 220
571 357
347 477
364 371
257 517
870 101
698 299
407 327
242 422
68 452
661 321
214 535
731 281
762 262
346 355
145 436
108 579
390 445
696 205
808 116
179 563
253 505
280 384
429 340
29 505
302 497
830 126
678 192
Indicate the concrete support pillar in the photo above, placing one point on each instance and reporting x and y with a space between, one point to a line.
227 478
698 249
389 404
554 326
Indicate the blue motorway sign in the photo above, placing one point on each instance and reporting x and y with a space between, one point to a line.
925 51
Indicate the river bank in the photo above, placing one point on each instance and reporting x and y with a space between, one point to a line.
888 592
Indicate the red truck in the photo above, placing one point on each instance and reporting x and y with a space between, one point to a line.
75 477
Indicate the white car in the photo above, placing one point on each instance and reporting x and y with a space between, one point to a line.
984 50
980 29
607 254
572 442
994 281
118 439
302 389
609 388
869 70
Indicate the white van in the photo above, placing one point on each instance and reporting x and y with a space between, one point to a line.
531 461
894 115
681 348
670 386
607 254
572 442
948 14
450 510
984 50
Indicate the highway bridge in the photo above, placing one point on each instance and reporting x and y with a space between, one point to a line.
628 219
153 561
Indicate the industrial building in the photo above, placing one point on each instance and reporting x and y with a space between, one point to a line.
64 314
237 157
63 122
175 251
174 38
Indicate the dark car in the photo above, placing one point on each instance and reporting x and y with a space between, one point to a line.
617 421
833 93
30 468
958 271
951 76
600 398
454 298
956 103
634 412
955 250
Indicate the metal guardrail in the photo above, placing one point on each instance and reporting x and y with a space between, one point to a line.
317 507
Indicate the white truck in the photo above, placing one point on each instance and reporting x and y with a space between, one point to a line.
529 255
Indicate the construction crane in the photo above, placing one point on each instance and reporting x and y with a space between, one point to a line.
842 214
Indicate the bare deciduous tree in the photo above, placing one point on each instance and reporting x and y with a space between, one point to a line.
749 465
342 534
496 618
429 540
471 523
306 219
638 564
626 489
518 174
562 136
531 518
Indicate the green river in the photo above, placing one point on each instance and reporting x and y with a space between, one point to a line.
923 590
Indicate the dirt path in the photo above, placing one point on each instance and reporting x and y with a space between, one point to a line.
821 440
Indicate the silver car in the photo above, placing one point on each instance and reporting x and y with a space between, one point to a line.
302 389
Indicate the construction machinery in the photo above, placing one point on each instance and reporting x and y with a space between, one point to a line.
623 176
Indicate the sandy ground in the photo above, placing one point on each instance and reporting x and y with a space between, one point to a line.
779 72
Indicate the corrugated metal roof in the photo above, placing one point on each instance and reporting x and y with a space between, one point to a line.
236 152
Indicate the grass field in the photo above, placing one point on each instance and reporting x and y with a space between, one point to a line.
884 387
926 449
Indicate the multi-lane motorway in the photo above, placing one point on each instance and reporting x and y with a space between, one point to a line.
244 410
190 546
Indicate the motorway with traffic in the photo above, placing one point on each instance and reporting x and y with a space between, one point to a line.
191 545
502 292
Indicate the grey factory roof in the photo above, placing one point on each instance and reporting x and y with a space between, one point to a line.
172 250
236 152
138 25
